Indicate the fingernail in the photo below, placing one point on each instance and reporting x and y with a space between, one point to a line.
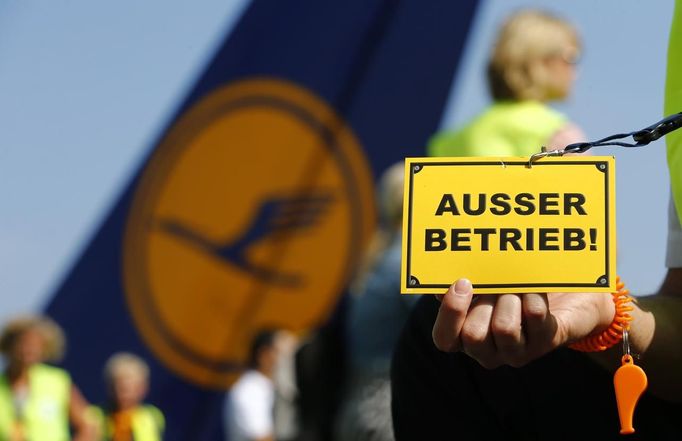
463 286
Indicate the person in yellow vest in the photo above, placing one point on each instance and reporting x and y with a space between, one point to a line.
533 62
657 317
125 417
38 401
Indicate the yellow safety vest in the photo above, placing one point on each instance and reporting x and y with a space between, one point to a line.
47 409
505 129
147 423
673 104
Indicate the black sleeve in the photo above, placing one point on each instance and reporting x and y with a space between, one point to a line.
320 376
431 389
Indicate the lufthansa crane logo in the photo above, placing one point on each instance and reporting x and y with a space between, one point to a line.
251 213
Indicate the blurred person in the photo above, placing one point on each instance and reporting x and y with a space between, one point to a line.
488 367
375 318
125 417
250 403
320 364
286 418
38 401
533 62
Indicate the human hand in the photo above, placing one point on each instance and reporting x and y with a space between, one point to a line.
515 329
569 133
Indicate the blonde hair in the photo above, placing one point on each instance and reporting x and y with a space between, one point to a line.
515 68
49 330
125 361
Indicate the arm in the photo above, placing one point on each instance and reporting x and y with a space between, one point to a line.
657 324
656 335
83 429
569 133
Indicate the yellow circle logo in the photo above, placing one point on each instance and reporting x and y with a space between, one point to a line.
251 213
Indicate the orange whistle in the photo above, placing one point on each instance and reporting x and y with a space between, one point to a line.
630 383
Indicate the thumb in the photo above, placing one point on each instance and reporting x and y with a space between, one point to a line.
451 316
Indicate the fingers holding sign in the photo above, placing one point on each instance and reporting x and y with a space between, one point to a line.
511 329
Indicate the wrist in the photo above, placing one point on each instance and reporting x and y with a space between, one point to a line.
642 329
605 309
600 340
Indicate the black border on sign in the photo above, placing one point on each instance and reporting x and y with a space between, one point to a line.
607 262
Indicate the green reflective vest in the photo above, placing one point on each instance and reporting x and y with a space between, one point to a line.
504 129
147 423
46 415
673 104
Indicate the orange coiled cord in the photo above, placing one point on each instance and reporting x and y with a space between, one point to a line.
614 333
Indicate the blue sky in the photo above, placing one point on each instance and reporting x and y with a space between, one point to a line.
86 86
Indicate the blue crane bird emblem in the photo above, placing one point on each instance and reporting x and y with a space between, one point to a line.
277 218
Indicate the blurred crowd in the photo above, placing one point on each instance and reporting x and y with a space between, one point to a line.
39 401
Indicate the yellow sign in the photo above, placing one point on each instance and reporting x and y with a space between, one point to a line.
509 227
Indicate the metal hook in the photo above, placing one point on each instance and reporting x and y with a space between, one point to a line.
542 154
626 342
